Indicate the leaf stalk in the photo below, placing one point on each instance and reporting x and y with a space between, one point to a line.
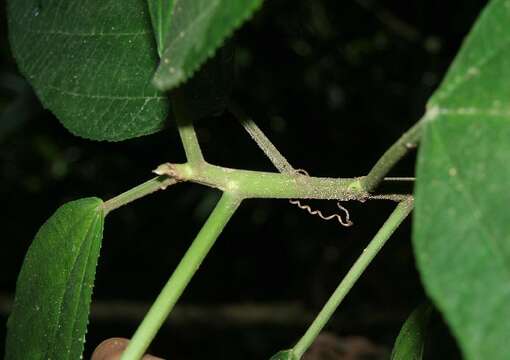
148 187
408 141
182 275
392 223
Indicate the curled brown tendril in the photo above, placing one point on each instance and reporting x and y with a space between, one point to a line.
347 222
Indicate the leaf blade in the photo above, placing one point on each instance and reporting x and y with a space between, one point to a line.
54 288
461 222
461 230
410 341
473 85
199 27
161 15
90 63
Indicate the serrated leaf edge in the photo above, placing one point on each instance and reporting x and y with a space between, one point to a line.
181 79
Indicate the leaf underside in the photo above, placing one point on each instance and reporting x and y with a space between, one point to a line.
461 229
161 15
54 288
91 63
198 28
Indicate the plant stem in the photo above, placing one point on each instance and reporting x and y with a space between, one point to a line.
148 187
259 184
180 278
273 154
400 148
186 130
398 215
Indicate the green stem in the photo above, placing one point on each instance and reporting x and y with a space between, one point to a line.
399 214
181 277
148 187
396 152
259 184
186 130
263 142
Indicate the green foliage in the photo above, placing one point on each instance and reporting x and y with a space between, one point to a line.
476 85
411 339
198 28
91 63
160 11
462 227
462 222
94 64
54 288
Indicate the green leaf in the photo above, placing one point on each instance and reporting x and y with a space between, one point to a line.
208 91
161 14
284 355
91 63
462 223
198 28
462 229
54 288
411 339
476 83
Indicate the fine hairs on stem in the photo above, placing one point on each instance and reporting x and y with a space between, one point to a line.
180 278
273 154
400 213
237 185
283 166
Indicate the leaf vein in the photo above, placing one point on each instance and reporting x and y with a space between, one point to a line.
469 74
107 97
492 243
90 34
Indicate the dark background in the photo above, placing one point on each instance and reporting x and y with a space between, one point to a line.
333 84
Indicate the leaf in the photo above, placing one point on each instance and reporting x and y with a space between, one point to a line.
476 83
54 288
161 14
462 223
91 63
411 339
284 355
208 91
462 229
198 29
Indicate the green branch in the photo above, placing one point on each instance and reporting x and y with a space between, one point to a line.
396 152
148 187
259 184
186 130
182 275
274 155
408 141
399 214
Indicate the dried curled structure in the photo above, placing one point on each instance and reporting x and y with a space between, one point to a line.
347 222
